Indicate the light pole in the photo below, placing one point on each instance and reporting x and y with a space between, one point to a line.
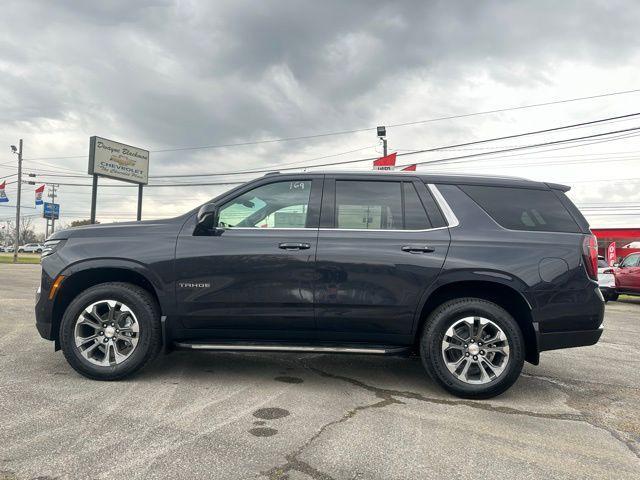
18 151
382 135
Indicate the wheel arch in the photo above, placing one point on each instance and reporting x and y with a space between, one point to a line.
80 277
503 295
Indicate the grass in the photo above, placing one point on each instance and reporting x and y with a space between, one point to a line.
22 258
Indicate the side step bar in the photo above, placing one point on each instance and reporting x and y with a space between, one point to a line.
256 347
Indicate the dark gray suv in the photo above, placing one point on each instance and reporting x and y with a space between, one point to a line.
475 274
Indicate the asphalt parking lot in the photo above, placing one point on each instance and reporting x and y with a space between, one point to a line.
223 415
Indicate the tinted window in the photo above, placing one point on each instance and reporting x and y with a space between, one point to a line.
276 205
602 264
368 205
523 208
415 217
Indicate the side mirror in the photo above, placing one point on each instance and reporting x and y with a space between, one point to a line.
208 218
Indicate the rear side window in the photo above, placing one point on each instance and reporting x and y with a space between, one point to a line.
368 205
523 208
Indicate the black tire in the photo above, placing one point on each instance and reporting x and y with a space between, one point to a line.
147 313
433 334
20 250
613 297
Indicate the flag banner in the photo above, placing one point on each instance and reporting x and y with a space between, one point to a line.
385 163
611 254
39 192
409 168
3 194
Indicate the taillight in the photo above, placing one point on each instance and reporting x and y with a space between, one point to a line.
609 271
590 255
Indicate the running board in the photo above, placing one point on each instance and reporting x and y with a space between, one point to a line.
256 347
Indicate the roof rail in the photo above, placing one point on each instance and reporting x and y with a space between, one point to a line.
271 173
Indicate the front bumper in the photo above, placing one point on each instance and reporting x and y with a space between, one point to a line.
44 307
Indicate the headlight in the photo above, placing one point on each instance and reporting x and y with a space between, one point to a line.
50 246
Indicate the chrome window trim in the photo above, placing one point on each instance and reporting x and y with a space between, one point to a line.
449 216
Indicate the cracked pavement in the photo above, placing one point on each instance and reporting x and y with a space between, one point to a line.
207 415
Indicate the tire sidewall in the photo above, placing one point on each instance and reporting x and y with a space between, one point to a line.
143 311
445 316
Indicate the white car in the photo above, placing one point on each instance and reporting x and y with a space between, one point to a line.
31 248
606 280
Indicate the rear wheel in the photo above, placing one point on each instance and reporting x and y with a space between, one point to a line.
110 331
472 347
613 297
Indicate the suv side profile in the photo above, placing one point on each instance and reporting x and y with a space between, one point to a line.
475 274
31 248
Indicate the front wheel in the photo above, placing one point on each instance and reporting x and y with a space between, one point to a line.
110 331
472 347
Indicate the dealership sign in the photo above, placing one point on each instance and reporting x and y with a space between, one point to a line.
51 210
118 161
611 253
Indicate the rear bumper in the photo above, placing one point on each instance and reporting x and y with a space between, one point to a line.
579 338
571 319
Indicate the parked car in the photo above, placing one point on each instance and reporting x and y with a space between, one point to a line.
606 280
31 248
475 274
9 248
627 275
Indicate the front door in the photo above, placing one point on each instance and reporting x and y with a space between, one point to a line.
378 251
255 277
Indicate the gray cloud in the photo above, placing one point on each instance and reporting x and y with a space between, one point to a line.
163 73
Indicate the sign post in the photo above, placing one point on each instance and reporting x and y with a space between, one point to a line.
117 161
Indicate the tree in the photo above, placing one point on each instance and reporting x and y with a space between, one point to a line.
79 223
27 232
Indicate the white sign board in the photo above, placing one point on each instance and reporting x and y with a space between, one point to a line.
118 161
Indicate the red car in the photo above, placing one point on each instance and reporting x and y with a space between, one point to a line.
628 275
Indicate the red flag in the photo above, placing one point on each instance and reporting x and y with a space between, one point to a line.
39 191
409 168
385 163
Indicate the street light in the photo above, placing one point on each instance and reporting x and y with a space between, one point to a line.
14 149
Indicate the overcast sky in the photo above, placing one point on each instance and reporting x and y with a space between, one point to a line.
163 74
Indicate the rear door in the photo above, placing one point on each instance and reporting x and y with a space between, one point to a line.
382 242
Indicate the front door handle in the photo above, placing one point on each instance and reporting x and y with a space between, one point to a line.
417 248
294 246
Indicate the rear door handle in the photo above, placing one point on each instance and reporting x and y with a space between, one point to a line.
417 248
294 246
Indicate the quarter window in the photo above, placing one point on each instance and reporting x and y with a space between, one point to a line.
523 208
276 205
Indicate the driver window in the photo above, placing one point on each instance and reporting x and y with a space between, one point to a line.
276 205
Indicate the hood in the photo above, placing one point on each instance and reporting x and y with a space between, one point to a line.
121 229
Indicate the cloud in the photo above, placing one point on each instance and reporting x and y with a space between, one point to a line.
179 73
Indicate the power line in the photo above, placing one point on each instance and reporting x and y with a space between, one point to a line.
358 130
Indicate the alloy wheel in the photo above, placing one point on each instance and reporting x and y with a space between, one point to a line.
475 350
106 332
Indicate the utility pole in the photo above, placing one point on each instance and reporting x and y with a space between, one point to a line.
52 195
18 199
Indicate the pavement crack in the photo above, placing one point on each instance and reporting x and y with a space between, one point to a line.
628 439
293 461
